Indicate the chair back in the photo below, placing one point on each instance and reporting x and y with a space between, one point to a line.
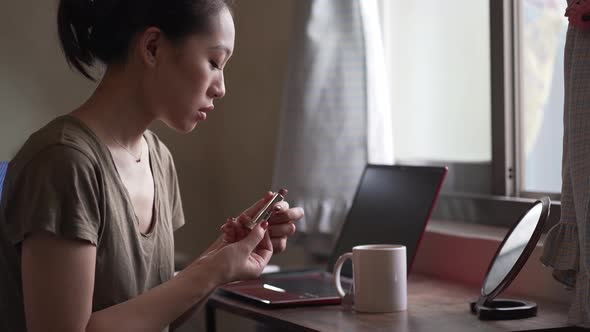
3 167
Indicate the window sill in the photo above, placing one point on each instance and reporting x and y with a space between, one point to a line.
487 210
467 230
462 252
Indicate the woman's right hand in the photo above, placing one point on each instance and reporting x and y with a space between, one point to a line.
244 259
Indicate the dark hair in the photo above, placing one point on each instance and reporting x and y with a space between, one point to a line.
102 30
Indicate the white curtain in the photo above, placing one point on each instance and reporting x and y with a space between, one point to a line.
335 116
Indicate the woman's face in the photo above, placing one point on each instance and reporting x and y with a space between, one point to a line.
190 79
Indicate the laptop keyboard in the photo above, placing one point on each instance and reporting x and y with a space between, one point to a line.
316 287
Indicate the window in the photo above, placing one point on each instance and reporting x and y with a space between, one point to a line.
440 80
478 86
541 30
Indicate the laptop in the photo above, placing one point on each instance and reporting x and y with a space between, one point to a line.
392 205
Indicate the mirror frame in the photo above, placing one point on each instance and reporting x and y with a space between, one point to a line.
486 299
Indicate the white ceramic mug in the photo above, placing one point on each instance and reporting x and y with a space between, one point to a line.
379 276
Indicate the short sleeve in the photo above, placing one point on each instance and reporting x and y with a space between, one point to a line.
56 191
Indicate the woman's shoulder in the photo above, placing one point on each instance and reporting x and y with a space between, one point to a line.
62 140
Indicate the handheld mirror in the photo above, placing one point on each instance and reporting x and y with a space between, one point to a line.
509 259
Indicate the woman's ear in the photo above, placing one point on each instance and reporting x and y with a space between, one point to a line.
150 44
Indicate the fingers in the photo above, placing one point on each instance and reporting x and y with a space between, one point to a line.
279 244
265 244
229 236
243 219
281 230
229 231
253 239
233 230
289 215
263 253
281 206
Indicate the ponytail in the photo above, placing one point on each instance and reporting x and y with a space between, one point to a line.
74 25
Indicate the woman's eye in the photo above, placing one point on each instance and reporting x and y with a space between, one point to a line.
214 64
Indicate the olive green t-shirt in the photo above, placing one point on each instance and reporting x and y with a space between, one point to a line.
64 181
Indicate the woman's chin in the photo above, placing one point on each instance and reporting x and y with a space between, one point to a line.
188 127
183 127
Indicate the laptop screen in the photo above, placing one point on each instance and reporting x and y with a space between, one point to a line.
392 206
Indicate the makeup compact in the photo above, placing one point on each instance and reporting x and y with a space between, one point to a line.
509 259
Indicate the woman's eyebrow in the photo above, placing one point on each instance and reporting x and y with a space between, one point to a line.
222 48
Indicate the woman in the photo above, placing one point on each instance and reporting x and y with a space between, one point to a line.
91 200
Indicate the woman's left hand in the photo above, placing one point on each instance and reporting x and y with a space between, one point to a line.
281 223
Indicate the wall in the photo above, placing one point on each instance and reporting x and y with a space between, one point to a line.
35 82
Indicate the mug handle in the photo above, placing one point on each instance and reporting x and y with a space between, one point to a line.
337 269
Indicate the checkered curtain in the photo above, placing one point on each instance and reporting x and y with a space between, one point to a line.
335 116
567 247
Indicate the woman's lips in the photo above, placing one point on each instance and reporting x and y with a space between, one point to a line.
202 113
201 116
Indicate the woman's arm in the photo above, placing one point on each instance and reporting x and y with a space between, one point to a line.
216 245
58 282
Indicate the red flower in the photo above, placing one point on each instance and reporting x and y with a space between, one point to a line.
578 14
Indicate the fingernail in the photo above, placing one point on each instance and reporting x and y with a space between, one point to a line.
222 227
264 225
277 208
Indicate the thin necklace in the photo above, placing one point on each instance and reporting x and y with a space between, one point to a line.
138 158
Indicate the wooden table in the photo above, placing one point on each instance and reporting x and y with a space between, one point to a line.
433 305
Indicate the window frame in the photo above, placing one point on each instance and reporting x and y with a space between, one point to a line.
506 202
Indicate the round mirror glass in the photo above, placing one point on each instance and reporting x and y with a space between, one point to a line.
512 249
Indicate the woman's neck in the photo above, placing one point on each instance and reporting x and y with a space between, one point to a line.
116 110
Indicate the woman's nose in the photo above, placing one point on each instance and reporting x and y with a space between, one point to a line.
217 89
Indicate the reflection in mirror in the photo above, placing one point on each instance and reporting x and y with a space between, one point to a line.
512 249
